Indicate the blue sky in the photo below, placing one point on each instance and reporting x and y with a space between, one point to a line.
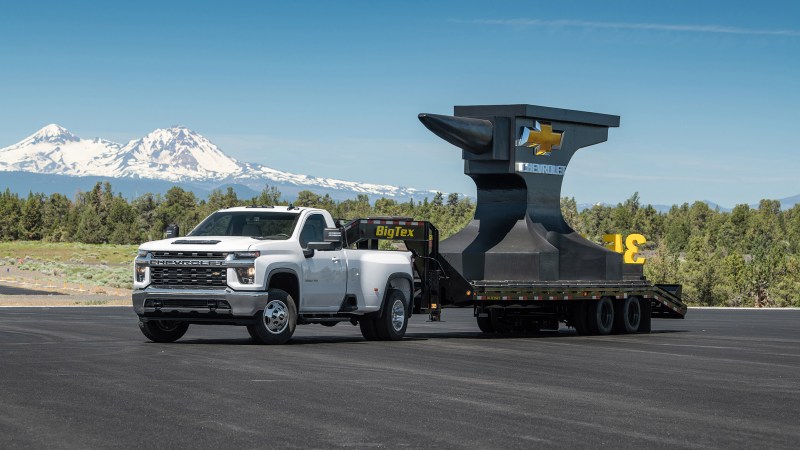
709 92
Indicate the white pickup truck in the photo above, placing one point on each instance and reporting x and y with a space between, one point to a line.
270 268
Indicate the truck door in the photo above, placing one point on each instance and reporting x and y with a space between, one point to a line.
324 274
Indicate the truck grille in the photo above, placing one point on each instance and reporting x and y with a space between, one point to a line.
190 255
200 277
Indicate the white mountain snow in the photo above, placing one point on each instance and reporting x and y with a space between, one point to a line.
175 154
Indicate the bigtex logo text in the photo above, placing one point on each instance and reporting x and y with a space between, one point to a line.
393 232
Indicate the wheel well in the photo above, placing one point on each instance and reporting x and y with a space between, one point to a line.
288 282
402 285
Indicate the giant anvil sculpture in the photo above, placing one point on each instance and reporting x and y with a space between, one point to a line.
517 156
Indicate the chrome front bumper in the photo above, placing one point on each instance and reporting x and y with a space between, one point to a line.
198 303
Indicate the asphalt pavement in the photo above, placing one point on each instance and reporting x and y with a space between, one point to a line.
87 378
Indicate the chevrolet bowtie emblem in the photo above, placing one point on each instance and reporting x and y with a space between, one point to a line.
541 138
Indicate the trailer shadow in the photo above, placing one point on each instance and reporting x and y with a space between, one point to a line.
560 334
354 339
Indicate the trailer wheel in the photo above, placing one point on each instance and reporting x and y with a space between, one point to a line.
367 326
392 324
163 331
646 320
485 324
498 322
601 316
276 323
579 319
627 315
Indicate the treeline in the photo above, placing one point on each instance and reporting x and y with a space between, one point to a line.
100 217
746 257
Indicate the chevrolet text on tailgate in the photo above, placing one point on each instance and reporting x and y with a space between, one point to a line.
270 269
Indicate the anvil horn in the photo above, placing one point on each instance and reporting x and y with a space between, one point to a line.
472 135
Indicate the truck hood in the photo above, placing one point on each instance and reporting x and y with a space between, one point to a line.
207 244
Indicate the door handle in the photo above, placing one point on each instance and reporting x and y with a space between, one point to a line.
335 259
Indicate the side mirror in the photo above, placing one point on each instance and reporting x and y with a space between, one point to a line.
308 252
172 231
333 235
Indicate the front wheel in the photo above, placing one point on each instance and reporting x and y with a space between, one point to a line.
163 330
276 323
392 324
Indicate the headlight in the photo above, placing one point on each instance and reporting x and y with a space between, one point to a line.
141 271
142 253
246 255
247 275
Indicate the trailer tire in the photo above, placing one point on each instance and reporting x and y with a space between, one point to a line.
627 315
276 323
367 325
645 323
600 316
485 324
498 322
392 324
163 331
579 319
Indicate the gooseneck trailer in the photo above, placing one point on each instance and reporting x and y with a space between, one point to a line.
518 262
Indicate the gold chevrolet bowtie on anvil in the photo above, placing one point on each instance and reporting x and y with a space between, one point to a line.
541 138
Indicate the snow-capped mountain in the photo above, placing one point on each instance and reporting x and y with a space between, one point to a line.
176 154
53 149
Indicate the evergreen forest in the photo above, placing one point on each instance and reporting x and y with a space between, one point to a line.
749 256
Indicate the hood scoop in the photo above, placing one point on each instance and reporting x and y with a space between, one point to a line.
194 241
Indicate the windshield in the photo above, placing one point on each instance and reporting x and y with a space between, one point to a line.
257 224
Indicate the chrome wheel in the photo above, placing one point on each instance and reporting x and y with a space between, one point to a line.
276 316
398 315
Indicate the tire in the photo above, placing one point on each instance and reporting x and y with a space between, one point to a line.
367 325
276 323
627 315
600 316
533 327
579 321
163 331
392 324
646 320
485 324
251 330
498 322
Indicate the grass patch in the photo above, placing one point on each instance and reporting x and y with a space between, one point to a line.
89 264
93 302
108 254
